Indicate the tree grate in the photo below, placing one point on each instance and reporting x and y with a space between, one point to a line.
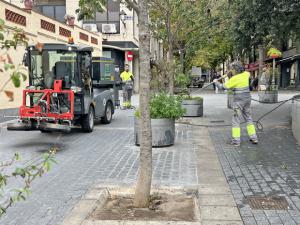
268 203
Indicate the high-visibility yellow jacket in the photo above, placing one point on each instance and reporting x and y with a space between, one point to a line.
239 84
126 76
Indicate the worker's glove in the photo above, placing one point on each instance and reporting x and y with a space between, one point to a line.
215 81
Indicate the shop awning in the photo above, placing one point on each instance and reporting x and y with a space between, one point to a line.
290 59
251 67
120 45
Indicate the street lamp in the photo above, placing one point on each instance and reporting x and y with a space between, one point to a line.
123 16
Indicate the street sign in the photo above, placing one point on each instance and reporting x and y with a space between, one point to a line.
129 56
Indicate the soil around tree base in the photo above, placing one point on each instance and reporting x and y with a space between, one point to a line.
163 207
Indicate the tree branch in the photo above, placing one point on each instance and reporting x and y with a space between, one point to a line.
133 4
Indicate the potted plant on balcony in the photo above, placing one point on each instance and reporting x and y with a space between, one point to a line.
70 19
268 88
164 110
28 4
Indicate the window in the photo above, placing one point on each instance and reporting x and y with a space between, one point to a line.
51 65
109 16
57 12
48 11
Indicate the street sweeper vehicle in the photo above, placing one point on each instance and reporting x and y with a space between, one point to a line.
63 91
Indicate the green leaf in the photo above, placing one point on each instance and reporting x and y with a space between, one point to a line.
20 172
17 156
6 66
47 166
1 36
15 77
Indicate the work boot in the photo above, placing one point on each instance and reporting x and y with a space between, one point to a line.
233 142
254 141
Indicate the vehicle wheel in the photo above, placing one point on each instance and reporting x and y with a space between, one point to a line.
106 119
88 120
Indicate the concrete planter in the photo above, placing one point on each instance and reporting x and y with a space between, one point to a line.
268 96
194 108
163 132
296 119
229 100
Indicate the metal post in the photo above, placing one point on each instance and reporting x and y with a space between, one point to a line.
274 67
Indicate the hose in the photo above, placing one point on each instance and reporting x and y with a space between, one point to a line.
257 123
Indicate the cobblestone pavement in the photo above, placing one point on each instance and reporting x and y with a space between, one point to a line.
106 156
268 169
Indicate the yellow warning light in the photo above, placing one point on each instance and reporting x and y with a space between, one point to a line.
71 40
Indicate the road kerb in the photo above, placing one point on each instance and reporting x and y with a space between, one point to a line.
216 202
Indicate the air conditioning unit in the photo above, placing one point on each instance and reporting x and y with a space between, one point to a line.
90 27
109 28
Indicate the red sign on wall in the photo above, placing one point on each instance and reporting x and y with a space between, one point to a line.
129 56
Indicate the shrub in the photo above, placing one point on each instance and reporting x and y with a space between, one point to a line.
182 80
164 106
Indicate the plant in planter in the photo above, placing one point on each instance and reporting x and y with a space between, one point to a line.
182 81
268 92
193 106
164 110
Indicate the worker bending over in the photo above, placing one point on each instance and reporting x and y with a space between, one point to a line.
127 79
239 84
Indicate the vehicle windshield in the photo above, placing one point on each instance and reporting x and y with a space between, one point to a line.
53 65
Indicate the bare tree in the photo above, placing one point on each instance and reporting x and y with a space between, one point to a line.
143 187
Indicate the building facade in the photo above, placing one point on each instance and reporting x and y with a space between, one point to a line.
119 28
290 65
117 24
42 29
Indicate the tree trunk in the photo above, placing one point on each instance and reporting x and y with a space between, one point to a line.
182 56
170 54
143 187
171 72
260 59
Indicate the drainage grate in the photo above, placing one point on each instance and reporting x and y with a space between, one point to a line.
217 121
268 203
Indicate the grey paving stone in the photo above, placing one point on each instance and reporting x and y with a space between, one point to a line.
106 156
270 168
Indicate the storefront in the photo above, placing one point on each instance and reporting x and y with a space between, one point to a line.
253 68
118 50
290 72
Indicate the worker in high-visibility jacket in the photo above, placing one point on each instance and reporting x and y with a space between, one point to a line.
127 79
239 84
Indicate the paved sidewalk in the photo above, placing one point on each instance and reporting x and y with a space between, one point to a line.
216 203
106 156
268 169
